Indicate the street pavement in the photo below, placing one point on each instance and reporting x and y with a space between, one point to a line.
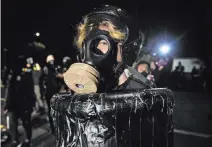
40 133
193 119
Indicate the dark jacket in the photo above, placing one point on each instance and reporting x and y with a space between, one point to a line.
51 81
161 78
21 95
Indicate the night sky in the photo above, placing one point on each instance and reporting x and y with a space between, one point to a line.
188 23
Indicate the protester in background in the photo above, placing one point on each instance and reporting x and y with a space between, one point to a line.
195 73
197 83
65 65
179 75
19 104
180 68
143 67
152 66
8 82
161 75
4 74
36 75
52 86
204 83
152 70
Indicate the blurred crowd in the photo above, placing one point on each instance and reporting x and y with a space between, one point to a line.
178 80
196 80
28 92
159 72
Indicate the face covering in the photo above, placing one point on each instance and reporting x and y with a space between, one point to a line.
145 74
51 62
95 67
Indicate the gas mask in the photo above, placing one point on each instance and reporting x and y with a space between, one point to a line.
51 62
95 65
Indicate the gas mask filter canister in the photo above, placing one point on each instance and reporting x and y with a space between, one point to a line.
82 78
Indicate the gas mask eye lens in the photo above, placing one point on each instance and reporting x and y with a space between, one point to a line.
100 46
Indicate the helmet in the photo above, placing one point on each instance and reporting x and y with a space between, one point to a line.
49 58
116 15
66 60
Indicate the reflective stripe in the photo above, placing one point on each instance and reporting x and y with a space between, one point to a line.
184 132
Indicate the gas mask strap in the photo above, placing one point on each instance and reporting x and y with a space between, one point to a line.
119 69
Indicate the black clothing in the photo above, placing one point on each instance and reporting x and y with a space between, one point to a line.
179 69
20 103
161 78
21 95
48 99
51 80
52 88
26 119
137 81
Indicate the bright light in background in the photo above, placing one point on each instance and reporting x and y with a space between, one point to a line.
37 34
154 54
164 49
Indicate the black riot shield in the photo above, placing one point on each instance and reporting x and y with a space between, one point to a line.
119 119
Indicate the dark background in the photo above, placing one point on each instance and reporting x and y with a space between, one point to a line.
188 23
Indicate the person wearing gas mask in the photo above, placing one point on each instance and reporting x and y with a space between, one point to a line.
51 82
143 67
66 62
161 74
19 103
36 75
101 37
